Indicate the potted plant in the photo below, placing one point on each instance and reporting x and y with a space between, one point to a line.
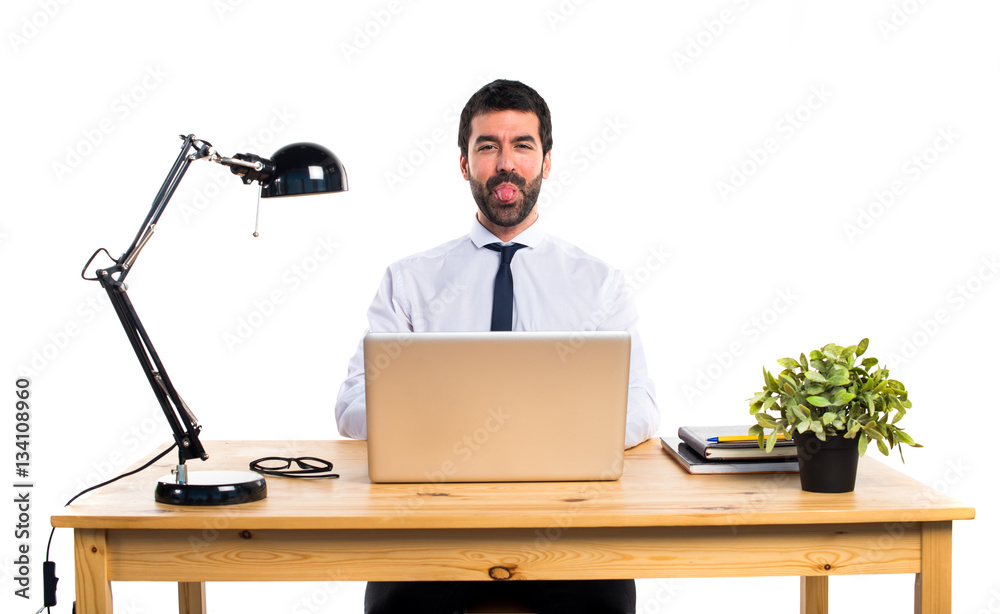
832 406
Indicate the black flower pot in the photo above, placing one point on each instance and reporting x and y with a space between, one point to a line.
826 466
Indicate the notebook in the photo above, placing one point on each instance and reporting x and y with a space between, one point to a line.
496 406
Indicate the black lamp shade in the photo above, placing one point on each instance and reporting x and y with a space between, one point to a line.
305 168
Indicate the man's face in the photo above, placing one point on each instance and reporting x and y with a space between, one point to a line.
505 168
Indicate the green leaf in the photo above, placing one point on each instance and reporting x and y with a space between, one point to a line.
755 430
862 346
804 362
771 439
843 398
788 363
818 401
849 351
881 447
768 403
904 437
871 429
802 412
829 417
862 444
869 362
766 420
757 397
772 384
802 427
816 355
813 376
840 378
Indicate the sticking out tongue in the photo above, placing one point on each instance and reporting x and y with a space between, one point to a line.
505 194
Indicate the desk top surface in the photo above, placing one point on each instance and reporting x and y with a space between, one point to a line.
654 491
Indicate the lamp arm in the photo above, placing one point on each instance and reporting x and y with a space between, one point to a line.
182 421
203 149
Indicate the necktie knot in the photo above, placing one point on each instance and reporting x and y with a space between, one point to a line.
506 251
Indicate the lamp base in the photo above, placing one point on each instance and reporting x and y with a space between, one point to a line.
205 488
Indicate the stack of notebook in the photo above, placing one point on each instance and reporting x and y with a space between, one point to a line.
728 449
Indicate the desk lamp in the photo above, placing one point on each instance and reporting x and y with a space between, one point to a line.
297 169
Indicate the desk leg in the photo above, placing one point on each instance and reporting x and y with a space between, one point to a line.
93 589
814 594
933 586
191 597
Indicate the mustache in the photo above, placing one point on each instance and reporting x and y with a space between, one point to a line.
506 177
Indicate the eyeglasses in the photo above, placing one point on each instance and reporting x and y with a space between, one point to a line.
308 467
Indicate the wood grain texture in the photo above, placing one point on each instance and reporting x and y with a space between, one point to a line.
933 583
814 595
191 598
654 491
93 586
515 554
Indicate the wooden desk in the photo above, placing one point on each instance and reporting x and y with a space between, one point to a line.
656 522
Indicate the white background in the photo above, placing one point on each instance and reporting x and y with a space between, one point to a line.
812 111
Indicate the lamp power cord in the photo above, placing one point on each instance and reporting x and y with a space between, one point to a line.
49 579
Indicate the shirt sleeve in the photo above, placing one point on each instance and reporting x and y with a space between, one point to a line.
387 313
643 416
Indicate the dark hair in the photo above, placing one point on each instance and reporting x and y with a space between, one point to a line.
504 95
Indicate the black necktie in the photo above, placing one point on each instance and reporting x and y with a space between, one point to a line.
503 287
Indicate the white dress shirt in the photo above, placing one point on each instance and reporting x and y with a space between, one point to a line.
557 287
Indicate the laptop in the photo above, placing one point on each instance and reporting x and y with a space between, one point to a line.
496 406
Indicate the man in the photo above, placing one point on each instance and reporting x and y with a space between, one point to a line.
505 137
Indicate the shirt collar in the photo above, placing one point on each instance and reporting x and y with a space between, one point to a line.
531 236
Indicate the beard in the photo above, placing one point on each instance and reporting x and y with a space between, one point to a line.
506 215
